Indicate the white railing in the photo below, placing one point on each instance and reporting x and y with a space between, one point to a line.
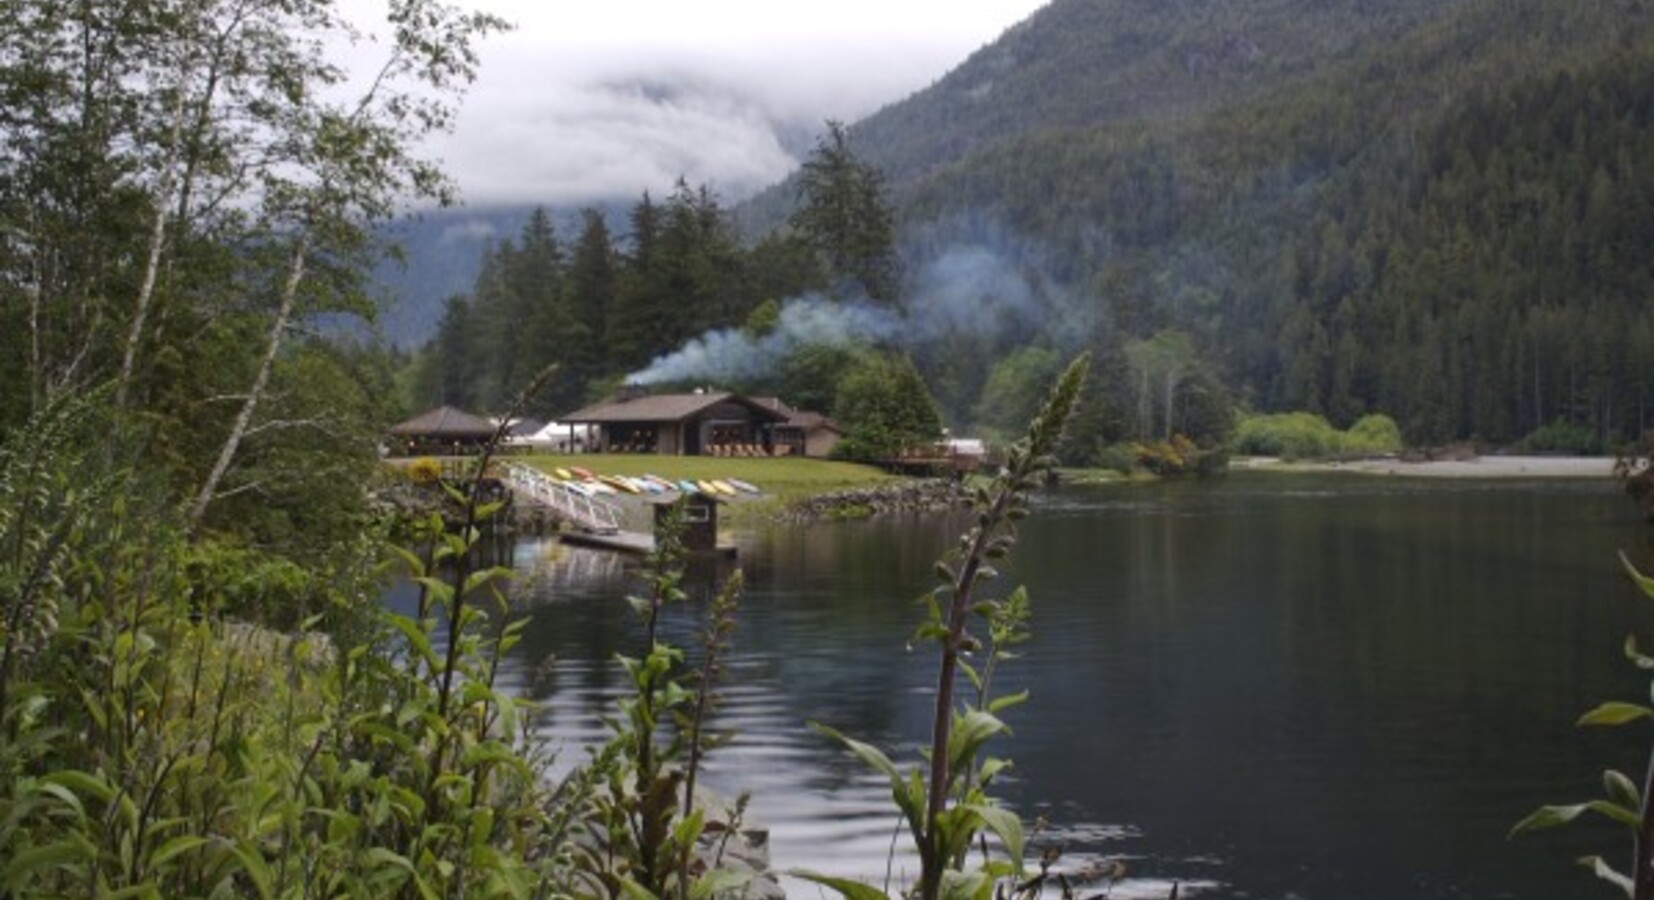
585 512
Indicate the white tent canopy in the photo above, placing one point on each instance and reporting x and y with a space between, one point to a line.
558 437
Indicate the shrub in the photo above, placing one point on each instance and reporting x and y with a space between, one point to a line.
1117 457
1172 457
1297 435
1375 433
1302 435
1561 437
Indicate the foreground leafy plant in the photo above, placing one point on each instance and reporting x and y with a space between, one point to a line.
650 838
1623 801
949 811
155 746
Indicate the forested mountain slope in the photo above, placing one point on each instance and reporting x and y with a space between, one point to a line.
1436 209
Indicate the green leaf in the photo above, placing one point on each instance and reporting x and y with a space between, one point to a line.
1616 812
1607 873
990 768
416 637
1616 713
1009 700
1547 817
869 754
183 843
718 881
65 795
253 864
851 890
481 578
1632 653
1552 816
957 885
1007 825
1642 581
1622 790
416 566
58 854
636 891
970 731
83 783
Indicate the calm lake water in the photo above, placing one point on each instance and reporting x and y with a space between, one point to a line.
1269 686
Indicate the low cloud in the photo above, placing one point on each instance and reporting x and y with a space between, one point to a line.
470 231
568 110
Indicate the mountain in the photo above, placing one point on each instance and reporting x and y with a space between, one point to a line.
1431 208
1436 209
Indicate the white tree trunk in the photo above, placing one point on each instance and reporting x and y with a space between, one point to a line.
261 382
157 240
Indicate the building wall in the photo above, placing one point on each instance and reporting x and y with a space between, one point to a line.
819 442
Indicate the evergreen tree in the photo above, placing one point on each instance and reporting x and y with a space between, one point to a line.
593 287
884 407
845 217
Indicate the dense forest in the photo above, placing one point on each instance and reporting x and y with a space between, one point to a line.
1425 209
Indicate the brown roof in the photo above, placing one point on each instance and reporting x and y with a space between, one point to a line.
805 420
775 403
662 408
445 422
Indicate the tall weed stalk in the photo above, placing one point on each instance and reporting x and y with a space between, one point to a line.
948 809
1624 801
652 836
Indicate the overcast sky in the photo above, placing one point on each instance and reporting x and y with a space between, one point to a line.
589 100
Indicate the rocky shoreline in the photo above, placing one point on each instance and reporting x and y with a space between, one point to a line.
907 496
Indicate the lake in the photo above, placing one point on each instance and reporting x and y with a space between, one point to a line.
1266 686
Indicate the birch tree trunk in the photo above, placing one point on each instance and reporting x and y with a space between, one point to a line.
157 240
255 394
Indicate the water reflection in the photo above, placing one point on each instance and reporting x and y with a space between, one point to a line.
1276 686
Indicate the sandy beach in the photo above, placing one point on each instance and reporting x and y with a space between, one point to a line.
1476 467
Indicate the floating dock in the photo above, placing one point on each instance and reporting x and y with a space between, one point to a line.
633 542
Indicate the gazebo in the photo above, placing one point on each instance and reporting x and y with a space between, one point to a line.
441 431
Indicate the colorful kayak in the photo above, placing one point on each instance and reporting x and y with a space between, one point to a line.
582 473
724 487
747 486
564 474
688 487
619 483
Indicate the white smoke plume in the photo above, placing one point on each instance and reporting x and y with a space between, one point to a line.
970 290
731 354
